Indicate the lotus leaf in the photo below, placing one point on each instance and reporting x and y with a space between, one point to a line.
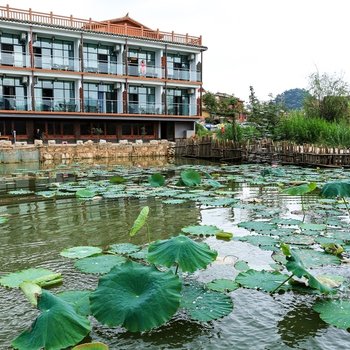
136 297
3 219
264 242
224 235
140 221
336 189
213 183
117 179
313 227
57 327
201 230
183 251
91 346
301 189
257 225
332 248
156 180
264 280
79 299
13 280
124 248
174 201
205 305
272 172
80 252
99 263
85 194
140 255
220 202
31 291
314 258
241 265
296 267
190 177
223 285
288 222
334 312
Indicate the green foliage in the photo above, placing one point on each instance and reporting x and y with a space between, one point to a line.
85 193
156 180
334 312
201 131
301 189
80 252
183 251
99 263
57 327
91 346
79 299
223 285
201 230
190 177
292 98
300 129
336 189
136 297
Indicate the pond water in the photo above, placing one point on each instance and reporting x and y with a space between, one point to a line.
38 228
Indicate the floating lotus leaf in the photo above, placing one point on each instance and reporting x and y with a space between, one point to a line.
201 230
272 172
91 346
181 250
190 177
241 265
213 183
3 219
80 252
140 255
85 193
264 242
117 179
263 280
13 280
314 258
313 227
336 189
223 285
258 225
188 195
226 236
174 201
301 189
79 299
298 239
205 305
124 248
99 263
296 267
136 297
31 291
331 281
140 221
334 312
156 180
57 327
220 202
287 222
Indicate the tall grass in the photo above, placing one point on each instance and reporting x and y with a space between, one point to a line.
301 129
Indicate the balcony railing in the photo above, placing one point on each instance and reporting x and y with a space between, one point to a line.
149 71
49 104
103 67
183 74
181 109
56 63
13 103
89 25
145 108
101 106
15 59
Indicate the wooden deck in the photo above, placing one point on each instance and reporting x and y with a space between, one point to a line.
264 151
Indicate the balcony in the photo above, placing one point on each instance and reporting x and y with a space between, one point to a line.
181 109
101 106
145 108
103 67
56 63
14 59
13 103
147 71
184 74
57 105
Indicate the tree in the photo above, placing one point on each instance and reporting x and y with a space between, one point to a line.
328 97
292 99
210 104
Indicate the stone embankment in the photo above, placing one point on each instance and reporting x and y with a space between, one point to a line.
23 152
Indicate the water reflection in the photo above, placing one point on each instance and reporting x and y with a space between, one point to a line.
299 323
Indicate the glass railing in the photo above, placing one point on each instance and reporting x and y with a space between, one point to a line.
100 106
49 104
56 63
15 59
144 108
149 71
181 109
103 67
13 103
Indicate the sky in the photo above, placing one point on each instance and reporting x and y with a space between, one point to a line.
272 45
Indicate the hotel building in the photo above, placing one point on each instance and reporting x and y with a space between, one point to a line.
77 79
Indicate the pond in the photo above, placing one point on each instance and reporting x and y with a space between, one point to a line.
42 215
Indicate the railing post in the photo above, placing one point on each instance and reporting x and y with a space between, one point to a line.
125 28
71 20
200 40
142 31
109 26
172 35
186 38
30 14
157 33
51 17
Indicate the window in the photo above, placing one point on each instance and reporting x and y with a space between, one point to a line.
12 50
100 58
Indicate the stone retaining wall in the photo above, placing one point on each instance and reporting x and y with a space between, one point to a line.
21 152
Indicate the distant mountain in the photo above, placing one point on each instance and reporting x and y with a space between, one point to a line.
292 98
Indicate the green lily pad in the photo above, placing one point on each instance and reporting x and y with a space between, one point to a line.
301 189
220 202
156 180
336 189
136 297
14 279
313 227
80 252
287 222
258 225
241 265
190 177
181 250
262 280
201 230
140 221
263 242
85 193
91 346
223 285
174 201
117 179
99 263
124 248
57 327
31 291
3 219
314 258
205 305
334 312
79 299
